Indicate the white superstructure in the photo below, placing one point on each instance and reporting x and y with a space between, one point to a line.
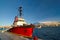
19 21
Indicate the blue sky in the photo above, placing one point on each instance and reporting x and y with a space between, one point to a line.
33 10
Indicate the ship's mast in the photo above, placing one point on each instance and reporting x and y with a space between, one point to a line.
20 11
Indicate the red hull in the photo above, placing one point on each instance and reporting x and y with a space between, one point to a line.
23 31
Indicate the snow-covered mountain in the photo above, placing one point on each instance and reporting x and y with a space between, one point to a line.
47 24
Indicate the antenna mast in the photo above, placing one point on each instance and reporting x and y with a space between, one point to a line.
20 11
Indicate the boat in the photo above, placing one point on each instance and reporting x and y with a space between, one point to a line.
20 27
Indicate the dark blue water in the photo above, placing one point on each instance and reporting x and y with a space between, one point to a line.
47 33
